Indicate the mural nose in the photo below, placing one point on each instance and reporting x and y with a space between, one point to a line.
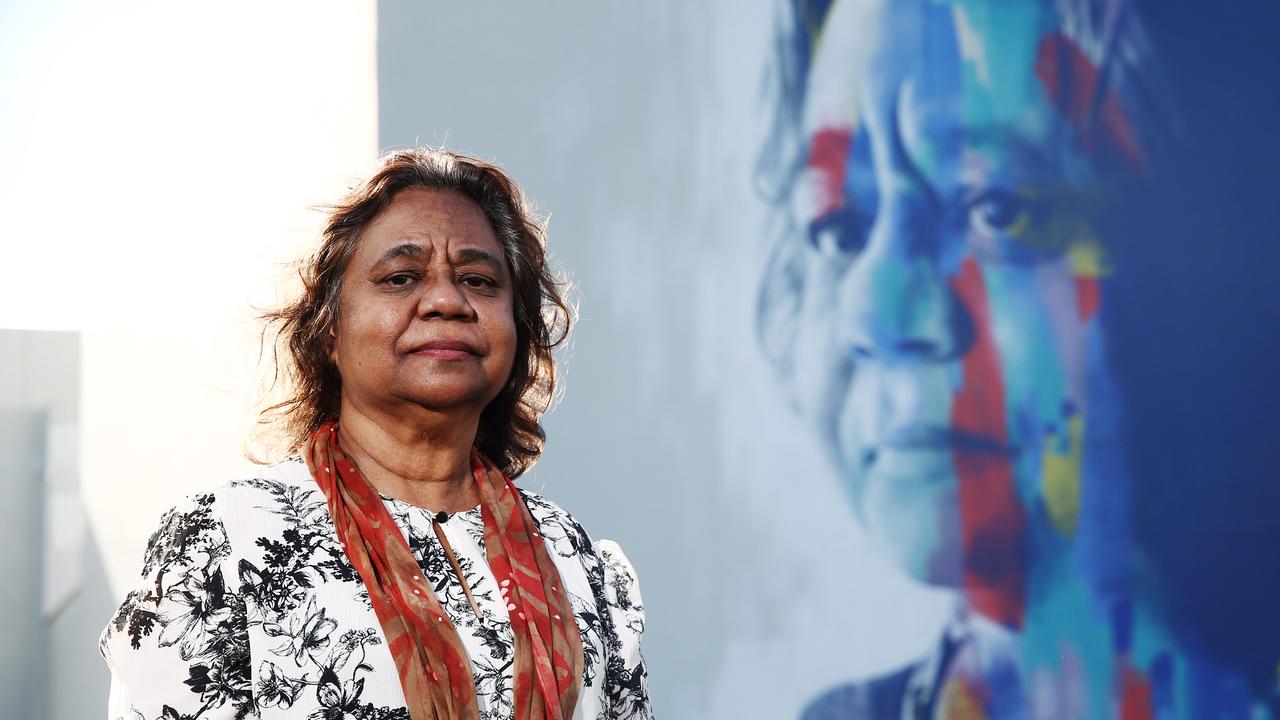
900 306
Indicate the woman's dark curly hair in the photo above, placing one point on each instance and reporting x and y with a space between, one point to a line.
510 433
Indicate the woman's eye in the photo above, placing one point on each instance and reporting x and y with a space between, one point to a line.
841 232
400 279
477 281
999 213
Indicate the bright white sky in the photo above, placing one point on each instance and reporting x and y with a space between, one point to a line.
158 163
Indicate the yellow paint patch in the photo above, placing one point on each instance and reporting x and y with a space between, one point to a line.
1060 222
1087 259
1060 477
960 702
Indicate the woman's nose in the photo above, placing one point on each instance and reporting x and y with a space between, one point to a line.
443 298
896 303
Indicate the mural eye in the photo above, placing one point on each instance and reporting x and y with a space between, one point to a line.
840 232
999 213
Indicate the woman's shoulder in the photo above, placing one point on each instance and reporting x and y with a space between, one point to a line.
289 474
212 514
544 508
562 530
617 575
221 524
259 488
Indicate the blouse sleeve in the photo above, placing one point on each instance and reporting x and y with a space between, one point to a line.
626 678
178 647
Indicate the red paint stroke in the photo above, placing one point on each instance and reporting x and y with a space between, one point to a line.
1087 297
829 156
991 518
1070 79
1135 694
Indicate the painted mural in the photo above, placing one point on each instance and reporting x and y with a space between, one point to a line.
948 307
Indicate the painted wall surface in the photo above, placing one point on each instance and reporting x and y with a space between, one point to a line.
922 366
964 301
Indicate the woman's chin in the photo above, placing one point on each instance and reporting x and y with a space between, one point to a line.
449 396
916 523
931 561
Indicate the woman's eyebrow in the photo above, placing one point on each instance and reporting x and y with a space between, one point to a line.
409 250
463 256
1022 147
828 155
467 256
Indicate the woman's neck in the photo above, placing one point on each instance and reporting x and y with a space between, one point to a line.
424 461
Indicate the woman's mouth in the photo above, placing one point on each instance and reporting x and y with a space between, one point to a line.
444 350
943 437
921 451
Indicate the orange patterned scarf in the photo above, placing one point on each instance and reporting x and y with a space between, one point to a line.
435 671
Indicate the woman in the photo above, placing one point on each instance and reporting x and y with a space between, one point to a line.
390 569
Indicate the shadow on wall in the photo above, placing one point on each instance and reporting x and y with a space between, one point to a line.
50 612
76 680
54 597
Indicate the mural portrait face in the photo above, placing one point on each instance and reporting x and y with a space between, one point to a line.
936 312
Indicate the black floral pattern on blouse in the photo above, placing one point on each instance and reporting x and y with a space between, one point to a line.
193 605
190 607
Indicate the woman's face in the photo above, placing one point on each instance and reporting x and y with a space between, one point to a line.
426 311
948 347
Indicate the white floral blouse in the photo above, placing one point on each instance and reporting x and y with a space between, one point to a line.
248 608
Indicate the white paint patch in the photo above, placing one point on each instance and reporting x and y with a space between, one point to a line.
971 46
844 50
